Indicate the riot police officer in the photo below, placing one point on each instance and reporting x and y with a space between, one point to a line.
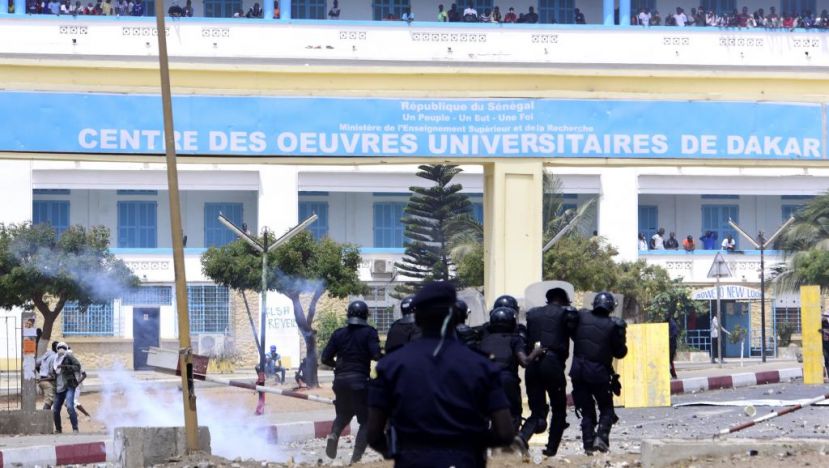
506 349
597 339
404 329
510 301
437 395
547 332
354 347
470 336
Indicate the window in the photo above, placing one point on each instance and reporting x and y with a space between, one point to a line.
52 212
388 227
308 9
787 211
96 320
784 315
137 192
137 227
637 5
719 6
149 295
382 317
798 7
221 8
319 228
384 8
715 218
51 191
209 307
215 233
478 212
556 11
648 221
149 8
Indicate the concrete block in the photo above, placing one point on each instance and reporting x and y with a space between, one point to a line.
146 446
666 452
26 422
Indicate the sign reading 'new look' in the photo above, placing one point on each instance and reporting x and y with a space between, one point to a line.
312 126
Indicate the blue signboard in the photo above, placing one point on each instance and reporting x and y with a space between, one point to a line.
358 127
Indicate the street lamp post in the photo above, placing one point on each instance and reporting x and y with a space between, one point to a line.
264 248
760 243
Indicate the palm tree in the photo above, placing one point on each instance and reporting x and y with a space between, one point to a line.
467 244
806 247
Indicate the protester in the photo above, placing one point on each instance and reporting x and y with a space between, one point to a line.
67 374
46 380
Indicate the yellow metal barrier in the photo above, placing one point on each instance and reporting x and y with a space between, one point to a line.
645 373
810 326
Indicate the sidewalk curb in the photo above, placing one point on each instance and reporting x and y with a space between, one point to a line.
746 379
51 455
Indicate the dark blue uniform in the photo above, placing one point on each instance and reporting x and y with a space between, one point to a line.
503 350
354 347
401 332
438 407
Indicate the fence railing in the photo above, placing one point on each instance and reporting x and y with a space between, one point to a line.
699 339
10 378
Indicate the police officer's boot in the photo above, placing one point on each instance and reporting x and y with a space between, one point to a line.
602 442
556 432
360 444
588 437
331 445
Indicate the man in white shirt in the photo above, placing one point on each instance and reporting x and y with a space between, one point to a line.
728 243
658 240
715 339
470 11
644 17
680 17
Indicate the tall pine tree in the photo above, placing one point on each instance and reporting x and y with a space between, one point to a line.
430 221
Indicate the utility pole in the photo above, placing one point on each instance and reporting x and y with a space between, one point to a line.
264 248
761 243
191 424
719 269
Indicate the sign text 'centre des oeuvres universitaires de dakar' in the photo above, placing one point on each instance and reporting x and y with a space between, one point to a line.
366 127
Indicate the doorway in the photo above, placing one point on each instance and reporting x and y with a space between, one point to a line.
145 332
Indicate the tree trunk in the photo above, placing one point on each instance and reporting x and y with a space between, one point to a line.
311 359
49 318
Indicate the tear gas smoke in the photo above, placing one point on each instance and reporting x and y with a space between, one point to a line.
128 402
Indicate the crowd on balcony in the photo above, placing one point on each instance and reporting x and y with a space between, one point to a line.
100 8
743 19
707 239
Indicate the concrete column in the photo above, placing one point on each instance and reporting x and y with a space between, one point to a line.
607 11
16 184
624 12
285 9
618 211
512 226
278 199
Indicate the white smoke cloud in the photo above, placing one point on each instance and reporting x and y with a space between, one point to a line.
129 402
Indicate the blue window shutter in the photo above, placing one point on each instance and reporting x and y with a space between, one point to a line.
138 224
215 233
52 212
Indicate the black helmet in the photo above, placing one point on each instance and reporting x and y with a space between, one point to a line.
557 294
506 301
406 305
461 311
357 313
502 320
604 301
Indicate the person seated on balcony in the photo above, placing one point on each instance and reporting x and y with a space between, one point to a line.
532 16
470 14
454 14
408 16
255 11
579 17
496 15
672 243
772 20
442 16
643 244
656 19
175 11
688 244
699 17
788 20
511 17
138 8
486 17
728 243
692 17
644 17
334 12
680 18
709 240
822 21
807 20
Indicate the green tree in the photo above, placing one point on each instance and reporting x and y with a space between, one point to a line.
586 263
301 266
430 222
43 271
674 299
806 245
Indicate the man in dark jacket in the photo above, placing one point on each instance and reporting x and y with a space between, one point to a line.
350 352
403 330
67 372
